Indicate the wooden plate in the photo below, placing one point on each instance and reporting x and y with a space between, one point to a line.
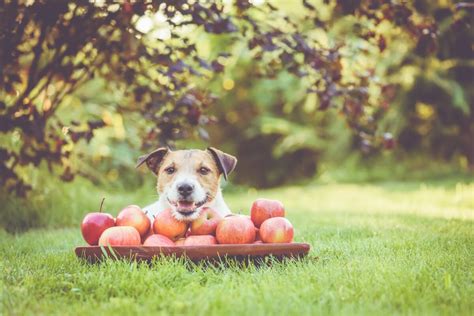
196 253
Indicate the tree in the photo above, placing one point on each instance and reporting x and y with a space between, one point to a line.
50 48
435 110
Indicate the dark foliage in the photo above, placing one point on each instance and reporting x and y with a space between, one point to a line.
50 48
438 109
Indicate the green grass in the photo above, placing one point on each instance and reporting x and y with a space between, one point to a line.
397 248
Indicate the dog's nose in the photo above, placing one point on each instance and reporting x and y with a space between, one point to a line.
185 189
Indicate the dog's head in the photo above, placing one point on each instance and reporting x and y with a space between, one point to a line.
188 179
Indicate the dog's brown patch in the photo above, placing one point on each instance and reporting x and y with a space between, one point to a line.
190 161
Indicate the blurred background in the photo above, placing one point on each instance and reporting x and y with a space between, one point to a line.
304 93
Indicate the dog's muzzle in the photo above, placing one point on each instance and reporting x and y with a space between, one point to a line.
187 208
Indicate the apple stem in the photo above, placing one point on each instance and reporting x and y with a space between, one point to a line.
101 204
153 216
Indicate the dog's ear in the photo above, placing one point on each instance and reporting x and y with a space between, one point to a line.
153 159
225 162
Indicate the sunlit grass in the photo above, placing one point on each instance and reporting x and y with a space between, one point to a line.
376 249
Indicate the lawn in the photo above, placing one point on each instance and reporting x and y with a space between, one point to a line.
376 248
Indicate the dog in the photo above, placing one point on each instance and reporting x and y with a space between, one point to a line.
188 181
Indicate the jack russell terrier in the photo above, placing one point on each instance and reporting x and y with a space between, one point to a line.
188 181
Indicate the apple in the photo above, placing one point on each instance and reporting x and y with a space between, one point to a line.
200 240
165 224
263 209
206 223
157 240
94 224
120 236
180 242
237 229
276 230
132 215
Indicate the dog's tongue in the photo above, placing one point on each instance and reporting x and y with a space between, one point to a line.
185 206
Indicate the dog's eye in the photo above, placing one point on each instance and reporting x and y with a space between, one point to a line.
170 170
204 170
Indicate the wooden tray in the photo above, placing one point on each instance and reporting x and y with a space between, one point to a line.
196 253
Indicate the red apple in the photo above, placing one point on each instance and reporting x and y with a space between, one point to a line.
94 224
165 224
276 230
120 236
180 242
263 209
236 229
200 240
132 215
157 240
206 223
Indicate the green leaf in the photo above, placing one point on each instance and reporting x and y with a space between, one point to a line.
454 89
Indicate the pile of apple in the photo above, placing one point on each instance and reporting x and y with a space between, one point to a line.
132 227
